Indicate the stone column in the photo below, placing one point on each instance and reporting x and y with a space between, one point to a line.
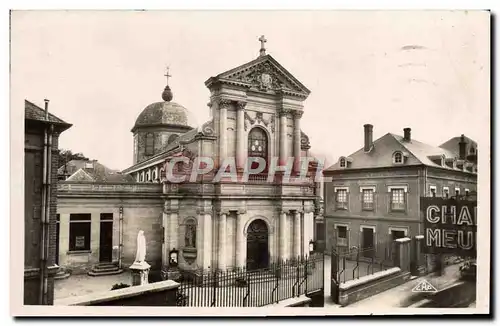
173 230
296 242
223 105
418 257
240 135
207 240
239 241
222 241
402 255
283 236
95 233
296 140
166 239
283 142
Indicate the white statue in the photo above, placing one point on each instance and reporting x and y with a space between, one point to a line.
141 248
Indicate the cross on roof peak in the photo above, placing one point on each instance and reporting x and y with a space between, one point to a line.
262 40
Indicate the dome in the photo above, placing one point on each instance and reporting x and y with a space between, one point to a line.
165 113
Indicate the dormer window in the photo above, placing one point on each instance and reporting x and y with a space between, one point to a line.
398 158
345 162
472 150
446 192
433 190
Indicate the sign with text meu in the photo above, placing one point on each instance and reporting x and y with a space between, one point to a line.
450 226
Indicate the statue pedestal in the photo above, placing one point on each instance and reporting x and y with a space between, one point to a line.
140 272
171 273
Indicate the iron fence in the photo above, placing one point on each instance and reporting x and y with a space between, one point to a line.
349 263
243 288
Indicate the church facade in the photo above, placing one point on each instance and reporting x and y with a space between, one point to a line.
241 220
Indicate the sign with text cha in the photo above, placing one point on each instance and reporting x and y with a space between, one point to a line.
449 226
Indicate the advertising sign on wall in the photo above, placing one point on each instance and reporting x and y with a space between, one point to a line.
450 226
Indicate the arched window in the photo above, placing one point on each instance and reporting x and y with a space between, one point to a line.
172 138
148 176
142 177
258 145
154 176
342 163
398 158
190 233
150 144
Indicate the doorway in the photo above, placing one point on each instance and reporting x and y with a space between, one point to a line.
106 238
257 245
367 242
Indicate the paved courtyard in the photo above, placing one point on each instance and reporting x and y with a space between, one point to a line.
77 285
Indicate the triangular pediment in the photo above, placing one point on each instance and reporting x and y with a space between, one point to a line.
80 175
264 74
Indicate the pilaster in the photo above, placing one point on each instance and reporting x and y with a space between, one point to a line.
240 135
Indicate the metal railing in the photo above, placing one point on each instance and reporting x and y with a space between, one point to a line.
243 288
353 263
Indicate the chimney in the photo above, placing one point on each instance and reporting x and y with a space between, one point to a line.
461 147
368 137
407 134
46 109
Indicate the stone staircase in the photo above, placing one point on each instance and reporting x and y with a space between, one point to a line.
102 269
61 274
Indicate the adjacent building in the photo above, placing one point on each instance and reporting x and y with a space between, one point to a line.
42 131
372 195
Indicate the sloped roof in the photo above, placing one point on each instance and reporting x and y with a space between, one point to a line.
206 129
452 145
81 170
36 113
380 156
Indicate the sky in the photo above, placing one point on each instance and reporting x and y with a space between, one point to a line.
427 70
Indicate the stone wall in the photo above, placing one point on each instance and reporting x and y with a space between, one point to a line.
33 205
154 294
138 214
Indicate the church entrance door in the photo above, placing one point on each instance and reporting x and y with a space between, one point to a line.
257 245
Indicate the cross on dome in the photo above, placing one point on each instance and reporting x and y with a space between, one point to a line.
168 75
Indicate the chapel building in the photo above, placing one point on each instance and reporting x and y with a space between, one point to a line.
255 111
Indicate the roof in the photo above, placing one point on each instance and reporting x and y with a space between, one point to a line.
206 130
36 113
93 171
452 145
381 154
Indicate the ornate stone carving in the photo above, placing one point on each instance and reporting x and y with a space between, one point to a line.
240 105
225 103
297 114
265 76
285 112
259 118
304 141
208 129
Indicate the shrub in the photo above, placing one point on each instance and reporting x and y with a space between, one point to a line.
119 286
